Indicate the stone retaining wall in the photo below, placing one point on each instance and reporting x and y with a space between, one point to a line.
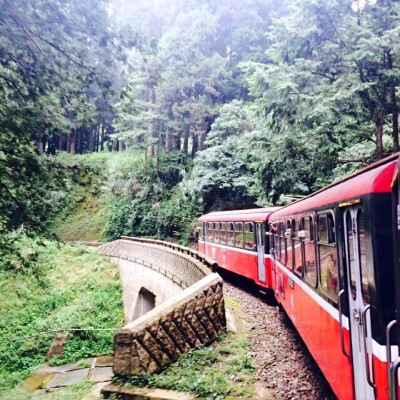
192 317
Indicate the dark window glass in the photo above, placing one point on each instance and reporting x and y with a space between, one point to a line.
222 233
297 253
249 236
230 234
363 256
210 232
327 255
350 254
238 234
310 270
216 232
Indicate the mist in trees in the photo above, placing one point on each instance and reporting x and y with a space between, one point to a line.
231 104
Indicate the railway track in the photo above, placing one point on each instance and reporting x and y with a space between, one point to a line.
283 362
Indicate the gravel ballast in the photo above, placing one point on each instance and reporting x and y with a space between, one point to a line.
283 362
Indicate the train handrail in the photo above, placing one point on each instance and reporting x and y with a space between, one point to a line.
389 327
367 366
394 395
341 324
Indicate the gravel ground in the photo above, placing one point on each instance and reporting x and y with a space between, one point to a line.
283 361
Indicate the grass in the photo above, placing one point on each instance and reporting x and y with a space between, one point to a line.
64 287
213 372
85 218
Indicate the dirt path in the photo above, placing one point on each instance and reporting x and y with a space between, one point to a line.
283 361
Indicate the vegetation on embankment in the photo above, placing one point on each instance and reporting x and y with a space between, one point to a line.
51 286
213 372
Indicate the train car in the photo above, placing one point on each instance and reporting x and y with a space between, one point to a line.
237 241
330 257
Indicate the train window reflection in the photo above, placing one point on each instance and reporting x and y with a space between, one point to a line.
310 270
363 256
288 244
200 230
249 236
210 232
350 254
222 233
327 255
216 232
230 234
238 234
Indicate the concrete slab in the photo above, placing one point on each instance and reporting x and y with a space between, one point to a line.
137 393
68 378
102 374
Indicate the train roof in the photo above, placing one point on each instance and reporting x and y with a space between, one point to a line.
375 178
254 214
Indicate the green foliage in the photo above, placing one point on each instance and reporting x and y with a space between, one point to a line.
220 178
37 297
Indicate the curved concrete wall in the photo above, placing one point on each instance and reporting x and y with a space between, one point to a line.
189 307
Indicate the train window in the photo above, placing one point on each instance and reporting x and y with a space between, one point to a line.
216 232
282 244
275 229
222 233
279 241
249 236
288 244
230 234
210 232
297 253
363 256
310 270
239 234
200 230
350 252
327 255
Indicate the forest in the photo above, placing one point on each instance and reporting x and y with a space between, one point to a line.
135 117
217 105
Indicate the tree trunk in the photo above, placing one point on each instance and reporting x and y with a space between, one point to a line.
186 134
195 146
72 142
103 135
60 142
92 138
120 145
150 129
169 140
393 104
379 142
40 146
177 140
78 149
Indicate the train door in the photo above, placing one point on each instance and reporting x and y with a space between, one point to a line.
357 289
260 251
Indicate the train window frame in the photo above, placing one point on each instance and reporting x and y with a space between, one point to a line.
242 234
331 241
365 294
210 231
304 242
251 247
279 241
216 232
230 234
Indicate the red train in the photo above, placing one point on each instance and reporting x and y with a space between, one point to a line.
332 260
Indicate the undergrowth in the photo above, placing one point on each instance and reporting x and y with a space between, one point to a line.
209 372
47 286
